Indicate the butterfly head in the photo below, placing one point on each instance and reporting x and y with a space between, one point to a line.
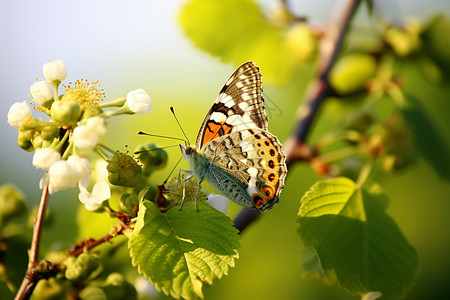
186 150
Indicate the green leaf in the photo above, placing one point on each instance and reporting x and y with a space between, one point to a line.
180 250
436 41
238 31
348 237
429 138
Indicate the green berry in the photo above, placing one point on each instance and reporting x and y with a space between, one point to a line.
351 73
151 157
12 202
81 267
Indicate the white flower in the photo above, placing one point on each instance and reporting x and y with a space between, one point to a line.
60 177
98 124
86 137
44 158
139 101
100 193
17 113
41 91
81 168
63 174
218 202
55 70
100 173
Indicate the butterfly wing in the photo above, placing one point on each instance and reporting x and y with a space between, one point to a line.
234 137
238 106
255 157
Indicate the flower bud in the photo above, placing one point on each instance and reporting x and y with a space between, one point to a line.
92 292
124 170
44 158
37 140
12 202
24 140
403 41
116 287
61 176
86 137
129 203
65 112
80 268
49 289
81 168
41 92
29 122
138 101
351 73
55 70
17 113
151 158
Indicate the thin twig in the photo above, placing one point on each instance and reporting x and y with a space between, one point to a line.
295 147
34 251
89 244
31 277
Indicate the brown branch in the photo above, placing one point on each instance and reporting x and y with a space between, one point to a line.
32 277
91 243
295 148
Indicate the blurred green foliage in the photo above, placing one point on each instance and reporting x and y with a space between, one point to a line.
412 59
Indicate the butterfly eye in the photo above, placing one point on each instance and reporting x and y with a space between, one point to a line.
188 150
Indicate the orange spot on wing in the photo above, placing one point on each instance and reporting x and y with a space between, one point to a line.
214 130
271 177
258 201
268 192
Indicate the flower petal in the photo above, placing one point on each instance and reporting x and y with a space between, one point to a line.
218 202
101 191
17 113
55 70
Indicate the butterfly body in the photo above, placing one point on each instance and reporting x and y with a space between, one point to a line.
234 151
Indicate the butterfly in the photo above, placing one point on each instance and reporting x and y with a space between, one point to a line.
234 150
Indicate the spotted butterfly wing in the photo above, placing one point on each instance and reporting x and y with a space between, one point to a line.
244 160
239 105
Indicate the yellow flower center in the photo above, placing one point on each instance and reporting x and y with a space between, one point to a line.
87 94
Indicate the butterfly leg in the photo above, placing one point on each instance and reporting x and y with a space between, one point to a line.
189 176
196 193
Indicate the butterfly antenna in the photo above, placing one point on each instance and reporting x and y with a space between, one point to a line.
161 136
173 112
138 152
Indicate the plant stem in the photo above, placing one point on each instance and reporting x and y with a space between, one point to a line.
338 154
31 277
89 244
365 172
34 251
318 91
